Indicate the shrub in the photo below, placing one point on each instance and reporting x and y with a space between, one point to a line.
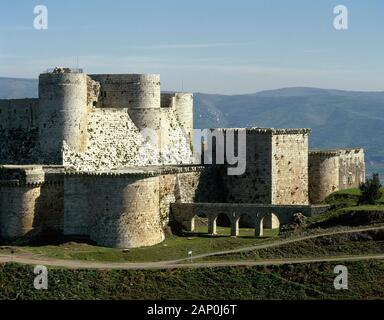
370 190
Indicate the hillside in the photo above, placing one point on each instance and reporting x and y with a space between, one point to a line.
312 281
338 118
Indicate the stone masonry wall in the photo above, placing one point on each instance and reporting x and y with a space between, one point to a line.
113 142
18 131
17 210
290 168
352 168
115 211
203 185
254 186
334 170
175 142
323 175
30 202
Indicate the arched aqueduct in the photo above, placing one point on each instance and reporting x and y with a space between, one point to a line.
259 216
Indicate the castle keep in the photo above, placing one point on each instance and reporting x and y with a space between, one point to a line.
77 162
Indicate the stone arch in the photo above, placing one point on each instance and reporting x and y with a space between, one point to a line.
271 221
265 221
199 220
242 220
223 220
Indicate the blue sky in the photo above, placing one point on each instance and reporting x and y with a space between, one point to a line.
210 46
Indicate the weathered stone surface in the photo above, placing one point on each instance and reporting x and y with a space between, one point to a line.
334 170
115 154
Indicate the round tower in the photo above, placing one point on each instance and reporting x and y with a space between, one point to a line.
323 171
184 111
139 93
63 113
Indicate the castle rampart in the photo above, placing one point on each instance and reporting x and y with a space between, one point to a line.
100 176
334 170
18 131
276 170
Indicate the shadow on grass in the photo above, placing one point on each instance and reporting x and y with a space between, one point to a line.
48 239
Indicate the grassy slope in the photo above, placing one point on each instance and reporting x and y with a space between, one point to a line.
175 247
370 242
305 281
345 206
172 248
346 214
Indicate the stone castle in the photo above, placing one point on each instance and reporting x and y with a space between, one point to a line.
75 162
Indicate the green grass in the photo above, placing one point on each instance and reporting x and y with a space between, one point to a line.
351 192
344 203
173 248
304 281
362 243
367 208
348 196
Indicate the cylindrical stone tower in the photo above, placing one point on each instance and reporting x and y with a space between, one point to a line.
323 168
184 111
17 210
19 194
63 113
126 213
139 93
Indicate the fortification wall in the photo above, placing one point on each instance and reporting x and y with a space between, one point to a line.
182 105
176 147
18 131
120 211
113 142
202 185
290 168
352 168
30 203
77 206
255 185
49 209
138 93
323 171
334 170
17 210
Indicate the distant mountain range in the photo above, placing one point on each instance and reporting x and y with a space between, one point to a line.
337 118
12 88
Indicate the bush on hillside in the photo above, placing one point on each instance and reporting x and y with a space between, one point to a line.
370 190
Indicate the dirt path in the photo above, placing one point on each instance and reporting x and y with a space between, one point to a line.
184 263
74 264
279 243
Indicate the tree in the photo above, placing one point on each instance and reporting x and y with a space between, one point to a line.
370 190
